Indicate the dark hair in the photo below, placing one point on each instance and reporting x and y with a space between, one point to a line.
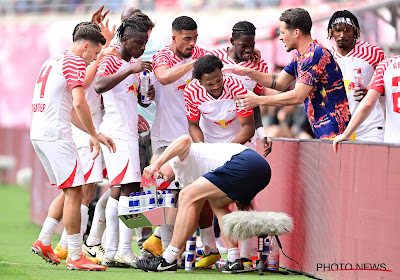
130 28
143 18
88 31
128 12
344 14
297 18
184 23
243 28
206 65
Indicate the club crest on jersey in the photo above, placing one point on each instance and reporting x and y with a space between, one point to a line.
132 88
223 123
81 74
182 87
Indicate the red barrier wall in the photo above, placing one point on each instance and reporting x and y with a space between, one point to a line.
344 207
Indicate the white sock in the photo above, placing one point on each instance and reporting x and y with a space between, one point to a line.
166 235
233 254
99 221
104 239
171 254
84 218
64 240
208 238
125 233
75 246
48 228
157 232
245 249
112 228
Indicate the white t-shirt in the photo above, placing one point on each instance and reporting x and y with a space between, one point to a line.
386 80
219 117
365 56
203 158
120 103
170 121
52 97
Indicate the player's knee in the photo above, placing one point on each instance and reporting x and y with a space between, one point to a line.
186 196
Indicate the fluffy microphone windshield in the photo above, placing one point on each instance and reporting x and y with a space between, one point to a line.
246 224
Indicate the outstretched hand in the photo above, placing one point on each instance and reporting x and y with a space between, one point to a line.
337 140
98 17
247 101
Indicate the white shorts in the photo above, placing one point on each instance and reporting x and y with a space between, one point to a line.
92 169
123 167
61 162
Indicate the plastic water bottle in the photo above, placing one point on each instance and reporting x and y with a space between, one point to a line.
220 264
265 253
170 199
161 199
136 200
273 254
144 87
151 199
190 259
143 202
131 202
358 78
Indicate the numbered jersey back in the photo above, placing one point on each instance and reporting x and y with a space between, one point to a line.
52 98
386 80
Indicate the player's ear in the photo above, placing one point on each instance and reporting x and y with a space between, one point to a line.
86 46
232 41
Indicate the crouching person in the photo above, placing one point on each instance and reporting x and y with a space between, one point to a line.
216 172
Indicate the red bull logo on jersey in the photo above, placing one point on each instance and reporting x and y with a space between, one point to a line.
132 88
182 87
223 123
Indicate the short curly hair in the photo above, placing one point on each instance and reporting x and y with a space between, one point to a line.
206 65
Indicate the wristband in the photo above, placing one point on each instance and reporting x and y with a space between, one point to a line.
261 133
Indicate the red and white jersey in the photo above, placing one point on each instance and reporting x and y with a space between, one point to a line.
365 56
52 97
248 83
219 117
386 80
170 121
120 103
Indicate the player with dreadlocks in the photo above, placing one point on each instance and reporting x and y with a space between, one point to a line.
117 80
351 55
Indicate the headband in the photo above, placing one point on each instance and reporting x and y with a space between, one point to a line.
343 20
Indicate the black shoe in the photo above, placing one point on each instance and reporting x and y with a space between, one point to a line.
157 264
233 267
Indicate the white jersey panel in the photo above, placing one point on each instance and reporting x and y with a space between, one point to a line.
203 158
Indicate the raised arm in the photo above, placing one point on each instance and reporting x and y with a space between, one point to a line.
167 75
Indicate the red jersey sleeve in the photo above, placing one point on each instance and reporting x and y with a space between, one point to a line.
197 52
237 88
377 81
74 70
108 65
262 67
191 104
162 57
